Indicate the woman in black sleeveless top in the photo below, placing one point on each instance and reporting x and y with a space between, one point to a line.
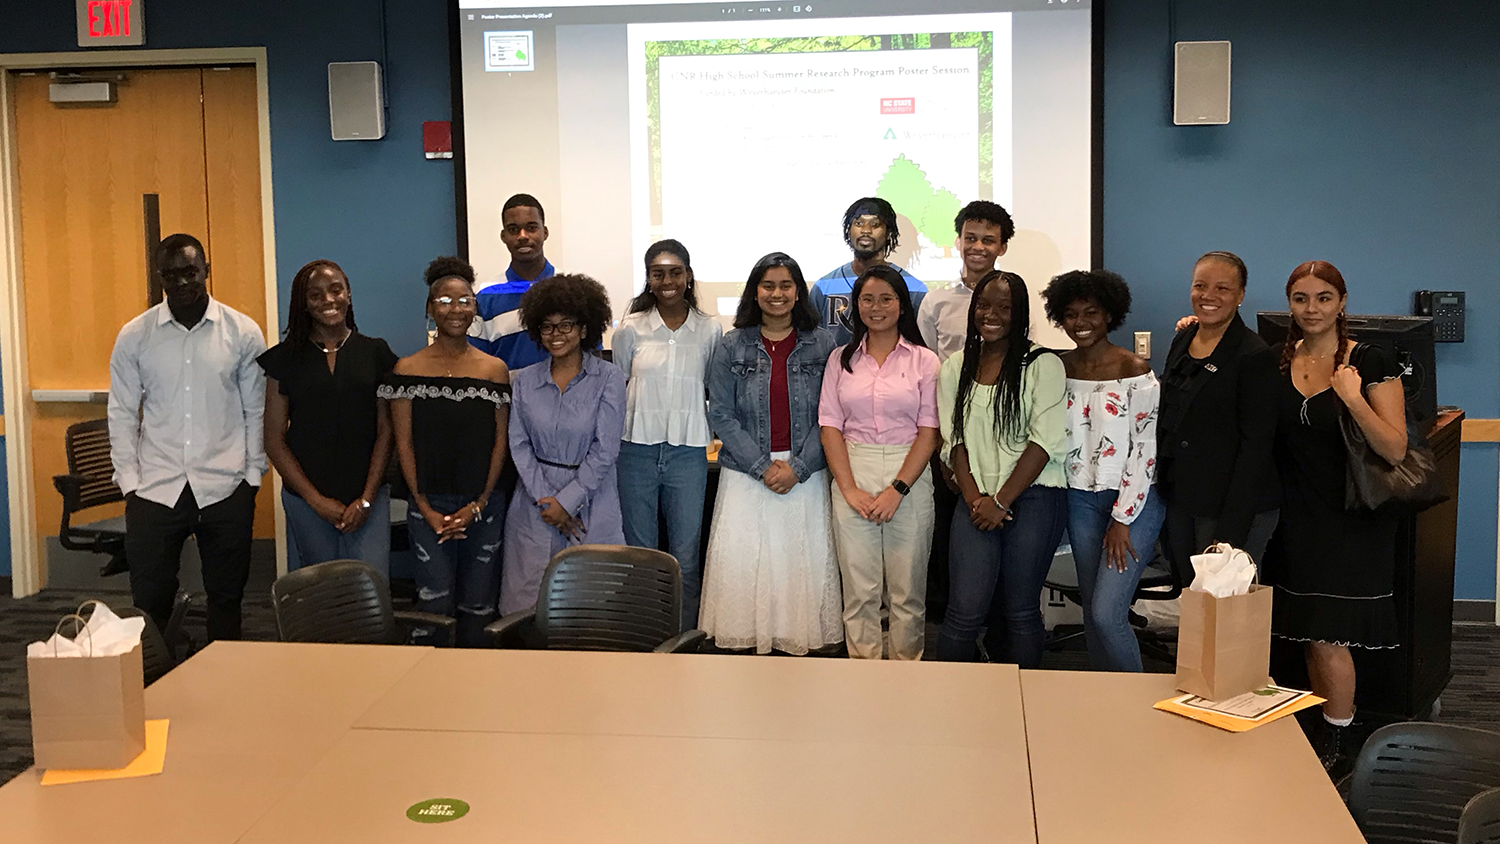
450 403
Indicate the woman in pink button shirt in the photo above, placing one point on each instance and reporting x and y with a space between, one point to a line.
878 411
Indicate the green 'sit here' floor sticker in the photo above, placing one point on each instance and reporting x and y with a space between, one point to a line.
441 810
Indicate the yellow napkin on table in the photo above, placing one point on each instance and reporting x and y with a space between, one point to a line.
150 762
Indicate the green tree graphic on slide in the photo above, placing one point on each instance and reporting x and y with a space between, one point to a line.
911 193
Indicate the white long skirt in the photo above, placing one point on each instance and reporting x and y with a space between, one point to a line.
771 580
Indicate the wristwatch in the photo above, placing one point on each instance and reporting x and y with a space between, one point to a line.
900 486
364 504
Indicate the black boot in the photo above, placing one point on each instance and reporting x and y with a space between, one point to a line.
1335 753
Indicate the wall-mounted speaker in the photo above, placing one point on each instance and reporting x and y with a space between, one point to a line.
1200 83
356 101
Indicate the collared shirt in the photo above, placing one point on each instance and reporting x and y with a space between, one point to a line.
186 405
881 404
830 298
665 400
992 459
497 327
943 318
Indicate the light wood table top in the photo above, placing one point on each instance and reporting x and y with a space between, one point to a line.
247 720
1106 767
702 696
550 788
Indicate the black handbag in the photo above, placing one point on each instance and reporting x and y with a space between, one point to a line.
1372 483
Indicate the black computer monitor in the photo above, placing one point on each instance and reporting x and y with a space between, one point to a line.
1409 339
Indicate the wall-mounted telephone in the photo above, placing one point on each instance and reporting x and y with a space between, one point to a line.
1446 307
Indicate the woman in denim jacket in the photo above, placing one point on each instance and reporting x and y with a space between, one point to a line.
771 580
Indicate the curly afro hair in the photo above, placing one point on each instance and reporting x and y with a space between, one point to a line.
575 296
1103 286
448 267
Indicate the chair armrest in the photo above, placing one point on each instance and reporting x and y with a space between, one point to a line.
71 488
686 642
508 632
411 619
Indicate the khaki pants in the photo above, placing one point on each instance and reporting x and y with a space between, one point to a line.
889 558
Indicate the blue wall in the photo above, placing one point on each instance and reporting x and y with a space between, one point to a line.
1365 132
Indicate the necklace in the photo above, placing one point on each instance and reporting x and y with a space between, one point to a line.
1312 358
773 343
347 334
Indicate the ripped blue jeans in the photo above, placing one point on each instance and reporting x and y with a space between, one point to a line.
461 577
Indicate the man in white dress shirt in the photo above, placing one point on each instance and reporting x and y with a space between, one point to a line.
186 400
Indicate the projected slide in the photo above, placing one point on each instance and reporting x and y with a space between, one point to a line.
740 130
780 132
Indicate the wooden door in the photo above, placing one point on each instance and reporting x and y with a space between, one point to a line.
81 174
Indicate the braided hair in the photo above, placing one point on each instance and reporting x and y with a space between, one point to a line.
880 208
1330 275
298 321
1009 423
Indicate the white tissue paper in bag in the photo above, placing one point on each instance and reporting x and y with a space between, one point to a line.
106 634
1223 571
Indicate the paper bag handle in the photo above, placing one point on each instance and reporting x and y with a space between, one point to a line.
79 612
83 627
1255 578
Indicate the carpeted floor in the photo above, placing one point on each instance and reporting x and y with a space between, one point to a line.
1470 699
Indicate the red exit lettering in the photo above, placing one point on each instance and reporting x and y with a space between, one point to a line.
109 18
898 105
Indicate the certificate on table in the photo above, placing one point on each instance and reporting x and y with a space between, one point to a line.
1251 706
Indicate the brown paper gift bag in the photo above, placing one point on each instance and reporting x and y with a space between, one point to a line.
87 712
1224 644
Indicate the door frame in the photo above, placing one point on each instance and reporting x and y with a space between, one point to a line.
27 575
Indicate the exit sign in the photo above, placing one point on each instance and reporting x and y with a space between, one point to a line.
111 23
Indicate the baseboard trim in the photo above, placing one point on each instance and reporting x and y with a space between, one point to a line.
1474 611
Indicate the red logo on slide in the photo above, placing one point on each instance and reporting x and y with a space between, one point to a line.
898 105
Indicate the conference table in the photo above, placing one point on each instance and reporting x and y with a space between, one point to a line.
275 742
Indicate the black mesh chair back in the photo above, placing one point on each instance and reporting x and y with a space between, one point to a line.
609 598
156 656
1412 780
1480 822
337 602
87 444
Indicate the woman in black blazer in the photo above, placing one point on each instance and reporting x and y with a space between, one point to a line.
1218 423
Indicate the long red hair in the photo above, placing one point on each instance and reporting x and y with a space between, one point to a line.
1329 274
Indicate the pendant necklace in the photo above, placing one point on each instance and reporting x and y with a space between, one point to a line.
347 334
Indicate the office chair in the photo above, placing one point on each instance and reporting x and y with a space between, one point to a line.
1480 821
604 598
346 602
1412 780
1161 581
89 483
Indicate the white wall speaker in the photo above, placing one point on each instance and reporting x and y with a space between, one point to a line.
356 101
1200 83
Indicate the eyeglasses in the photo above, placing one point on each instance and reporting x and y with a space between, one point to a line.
448 301
567 326
877 301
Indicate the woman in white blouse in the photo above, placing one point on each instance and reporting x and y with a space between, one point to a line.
1114 514
664 345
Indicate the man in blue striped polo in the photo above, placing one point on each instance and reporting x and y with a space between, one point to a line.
498 330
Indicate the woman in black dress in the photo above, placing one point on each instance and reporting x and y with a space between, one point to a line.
1336 569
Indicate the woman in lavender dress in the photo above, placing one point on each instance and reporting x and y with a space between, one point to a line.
567 417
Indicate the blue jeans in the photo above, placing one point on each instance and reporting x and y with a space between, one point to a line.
461 577
995 577
1106 593
668 482
311 540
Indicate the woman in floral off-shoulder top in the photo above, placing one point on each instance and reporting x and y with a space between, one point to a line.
1114 514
